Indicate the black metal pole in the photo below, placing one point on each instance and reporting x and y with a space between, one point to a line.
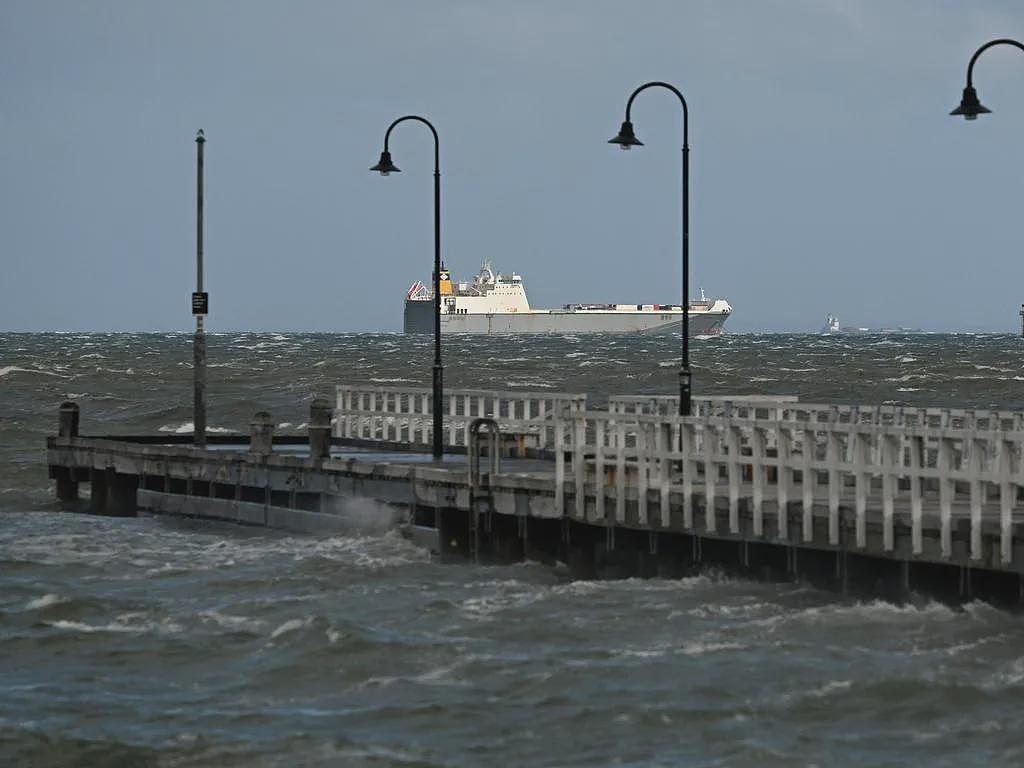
199 340
627 139
437 389
438 383
685 376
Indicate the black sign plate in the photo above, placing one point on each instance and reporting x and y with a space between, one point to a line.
200 303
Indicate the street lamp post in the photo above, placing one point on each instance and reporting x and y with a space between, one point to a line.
385 167
627 139
200 306
969 106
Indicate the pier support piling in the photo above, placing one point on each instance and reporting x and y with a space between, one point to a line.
67 423
67 428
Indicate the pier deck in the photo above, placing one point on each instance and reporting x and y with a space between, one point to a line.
884 501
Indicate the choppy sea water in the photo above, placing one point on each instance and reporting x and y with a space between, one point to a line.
157 642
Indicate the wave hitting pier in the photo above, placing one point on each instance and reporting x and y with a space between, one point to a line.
885 501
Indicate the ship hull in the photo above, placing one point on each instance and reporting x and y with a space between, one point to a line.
419 318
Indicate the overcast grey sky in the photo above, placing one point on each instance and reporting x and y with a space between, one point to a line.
826 174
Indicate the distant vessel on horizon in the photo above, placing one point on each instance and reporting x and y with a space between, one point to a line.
833 327
496 303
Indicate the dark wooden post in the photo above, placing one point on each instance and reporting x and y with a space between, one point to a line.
320 413
261 441
67 429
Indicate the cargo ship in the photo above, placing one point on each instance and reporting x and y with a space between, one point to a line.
495 303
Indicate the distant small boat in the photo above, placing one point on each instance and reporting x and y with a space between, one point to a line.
831 325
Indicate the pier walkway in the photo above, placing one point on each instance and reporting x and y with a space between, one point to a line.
886 500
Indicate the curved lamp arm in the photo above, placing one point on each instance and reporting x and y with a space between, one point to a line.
670 87
985 47
970 107
437 143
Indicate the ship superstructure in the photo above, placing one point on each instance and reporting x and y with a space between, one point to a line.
496 303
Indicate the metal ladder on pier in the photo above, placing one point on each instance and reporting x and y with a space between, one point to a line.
481 484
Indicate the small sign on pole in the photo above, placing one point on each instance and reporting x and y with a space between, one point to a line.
200 303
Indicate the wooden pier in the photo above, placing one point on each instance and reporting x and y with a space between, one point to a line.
884 501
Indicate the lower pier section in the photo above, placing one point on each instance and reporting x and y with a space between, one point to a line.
243 513
511 516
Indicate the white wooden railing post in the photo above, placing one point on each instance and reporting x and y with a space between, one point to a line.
709 448
891 460
620 471
916 445
643 468
689 466
976 461
734 467
783 477
862 483
559 429
1007 497
579 462
946 486
835 457
665 451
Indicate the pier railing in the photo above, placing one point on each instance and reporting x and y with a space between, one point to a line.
403 414
789 409
925 470
892 467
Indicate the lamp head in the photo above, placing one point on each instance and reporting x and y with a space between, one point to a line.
626 138
384 166
970 107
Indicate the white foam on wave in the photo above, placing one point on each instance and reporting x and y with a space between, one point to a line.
8 369
908 377
79 626
43 602
823 691
443 675
485 607
291 626
230 622
189 427
857 614
640 653
129 623
1010 676
702 647
723 610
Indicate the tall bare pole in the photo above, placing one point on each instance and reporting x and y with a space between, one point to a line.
200 306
